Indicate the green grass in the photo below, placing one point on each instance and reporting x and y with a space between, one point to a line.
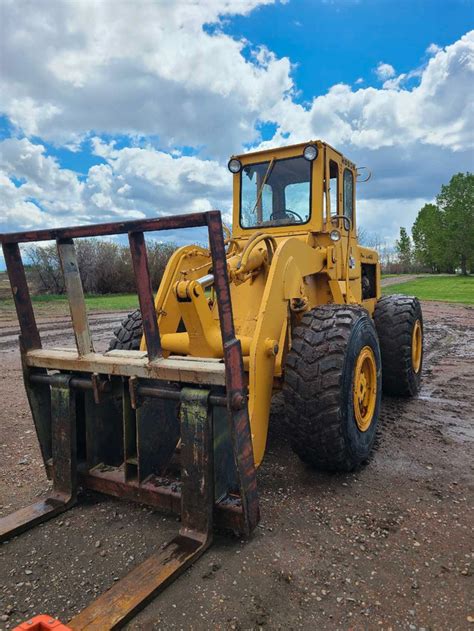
443 288
108 302
51 304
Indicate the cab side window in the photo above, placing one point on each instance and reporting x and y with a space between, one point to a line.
348 193
333 187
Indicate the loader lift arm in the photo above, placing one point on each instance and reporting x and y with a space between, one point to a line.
213 409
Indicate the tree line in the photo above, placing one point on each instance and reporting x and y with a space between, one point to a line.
442 237
105 266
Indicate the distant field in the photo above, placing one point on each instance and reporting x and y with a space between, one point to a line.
443 288
58 305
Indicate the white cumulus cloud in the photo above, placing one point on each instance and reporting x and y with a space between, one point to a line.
433 49
384 71
135 68
439 110
133 183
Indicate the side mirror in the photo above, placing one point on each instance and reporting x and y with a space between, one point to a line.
360 176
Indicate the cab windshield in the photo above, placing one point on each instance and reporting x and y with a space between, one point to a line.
275 193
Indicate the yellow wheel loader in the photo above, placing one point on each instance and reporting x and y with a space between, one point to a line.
175 413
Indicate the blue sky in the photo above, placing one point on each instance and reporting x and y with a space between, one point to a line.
338 42
114 111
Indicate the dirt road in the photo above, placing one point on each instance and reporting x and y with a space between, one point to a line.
395 280
388 547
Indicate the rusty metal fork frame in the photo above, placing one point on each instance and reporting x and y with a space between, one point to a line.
236 390
52 400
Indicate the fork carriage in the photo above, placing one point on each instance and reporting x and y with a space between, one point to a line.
172 433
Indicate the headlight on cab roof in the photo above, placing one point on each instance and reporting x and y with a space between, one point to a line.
310 152
234 165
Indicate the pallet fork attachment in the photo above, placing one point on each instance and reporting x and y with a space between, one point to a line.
102 420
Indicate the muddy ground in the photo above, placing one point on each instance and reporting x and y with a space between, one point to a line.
388 547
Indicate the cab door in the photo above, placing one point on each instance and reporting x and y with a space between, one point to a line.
348 181
339 187
339 193
332 188
333 208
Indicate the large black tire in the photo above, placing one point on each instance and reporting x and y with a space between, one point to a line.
395 318
128 335
318 387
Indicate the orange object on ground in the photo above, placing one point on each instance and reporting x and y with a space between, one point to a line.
42 623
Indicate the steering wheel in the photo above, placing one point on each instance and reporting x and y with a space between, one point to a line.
289 212
292 212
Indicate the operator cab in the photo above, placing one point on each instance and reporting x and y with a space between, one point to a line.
303 187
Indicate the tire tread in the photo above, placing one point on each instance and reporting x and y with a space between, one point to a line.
394 319
129 334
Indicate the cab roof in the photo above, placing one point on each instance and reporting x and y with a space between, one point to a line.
287 150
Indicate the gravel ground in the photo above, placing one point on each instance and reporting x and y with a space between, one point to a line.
387 547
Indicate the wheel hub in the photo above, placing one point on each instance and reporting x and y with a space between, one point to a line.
416 346
365 388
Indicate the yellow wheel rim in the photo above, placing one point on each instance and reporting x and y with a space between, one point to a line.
365 388
416 346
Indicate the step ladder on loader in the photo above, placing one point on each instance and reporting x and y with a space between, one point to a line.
96 420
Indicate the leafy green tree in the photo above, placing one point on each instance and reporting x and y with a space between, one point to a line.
456 202
429 240
404 250
443 233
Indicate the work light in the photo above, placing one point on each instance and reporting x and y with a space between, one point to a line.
234 165
310 152
335 235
